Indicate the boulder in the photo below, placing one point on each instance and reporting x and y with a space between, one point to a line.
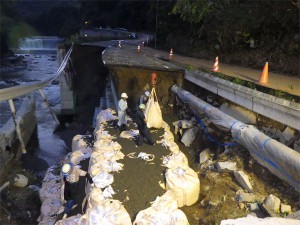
226 166
287 135
273 203
285 209
243 180
245 197
204 156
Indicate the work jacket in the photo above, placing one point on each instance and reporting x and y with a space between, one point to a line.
122 106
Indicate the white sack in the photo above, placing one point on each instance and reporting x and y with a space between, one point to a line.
110 212
175 159
184 184
73 220
78 143
49 207
50 189
103 179
129 134
77 156
105 115
165 203
152 112
95 198
105 165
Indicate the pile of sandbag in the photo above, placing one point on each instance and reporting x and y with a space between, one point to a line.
164 211
181 180
152 112
50 196
105 115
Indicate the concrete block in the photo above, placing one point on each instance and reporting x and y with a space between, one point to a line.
285 208
226 166
287 135
254 207
204 155
243 180
245 197
273 203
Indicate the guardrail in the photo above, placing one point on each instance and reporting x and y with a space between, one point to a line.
8 94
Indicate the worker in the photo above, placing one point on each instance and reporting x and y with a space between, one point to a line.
122 109
144 98
143 127
71 191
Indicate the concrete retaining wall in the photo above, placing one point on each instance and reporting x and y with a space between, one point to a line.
27 119
278 109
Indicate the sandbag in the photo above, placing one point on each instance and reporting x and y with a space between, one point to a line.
152 112
78 143
175 159
109 212
103 179
49 207
73 220
129 134
50 189
95 198
105 165
163 211
184 184
48 220
105 145
105 115
77 156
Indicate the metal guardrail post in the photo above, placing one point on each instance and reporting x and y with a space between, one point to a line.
48 105
17 125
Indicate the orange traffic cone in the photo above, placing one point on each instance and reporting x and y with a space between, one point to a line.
171 54
216 65
264 75
139 49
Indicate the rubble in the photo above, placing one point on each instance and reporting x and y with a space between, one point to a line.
226 166
243 180
204 155
285 208
273 203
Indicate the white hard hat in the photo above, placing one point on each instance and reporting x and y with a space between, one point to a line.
147 93
124 95
66 168
142 106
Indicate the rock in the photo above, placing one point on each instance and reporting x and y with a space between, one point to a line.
297 145
295 215
226 166
20 180
287 135
241 205
245 197
204 155
273 203
254 206
285 209
243 180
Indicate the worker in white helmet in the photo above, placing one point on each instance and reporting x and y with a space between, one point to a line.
71 192
144 98
122 108
143 127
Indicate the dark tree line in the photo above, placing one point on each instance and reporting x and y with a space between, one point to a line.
217 26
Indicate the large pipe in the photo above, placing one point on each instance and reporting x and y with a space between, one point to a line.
281 160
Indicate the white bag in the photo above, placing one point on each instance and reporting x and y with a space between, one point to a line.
184 184
73 220
105 165
78 143
175 159
110 212
179 218
77 156
95 198
49 207
165 203
103 179
152 112
50 189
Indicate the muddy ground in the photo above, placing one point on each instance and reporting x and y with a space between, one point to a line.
138 184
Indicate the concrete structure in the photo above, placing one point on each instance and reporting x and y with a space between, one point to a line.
278 109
